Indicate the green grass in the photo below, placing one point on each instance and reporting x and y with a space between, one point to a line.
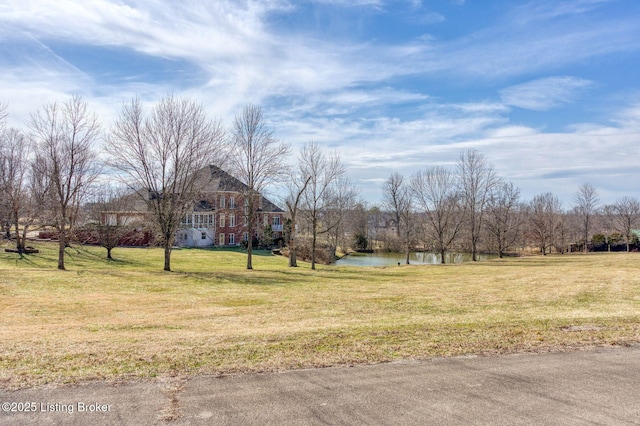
127 319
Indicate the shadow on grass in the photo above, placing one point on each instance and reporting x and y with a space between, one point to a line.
239 250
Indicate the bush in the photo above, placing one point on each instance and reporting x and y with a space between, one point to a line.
324 253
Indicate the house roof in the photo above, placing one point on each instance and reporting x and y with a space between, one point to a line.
213 179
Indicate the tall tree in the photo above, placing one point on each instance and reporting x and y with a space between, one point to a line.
3 116
15 162
325 171
65 134
545 220
607 216
160 153
344 201
627 217
586 200
436 193
258 159
297 184
396 196
476 179
5 217
504 218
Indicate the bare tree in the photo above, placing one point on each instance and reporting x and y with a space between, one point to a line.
321 193
344 201
160 154
586 199
607 216
627 217
65 134
476 179
297 185
15 199
5 217
112 216
436 193
545 220
396 196
3 116
504 218
258 159
357 224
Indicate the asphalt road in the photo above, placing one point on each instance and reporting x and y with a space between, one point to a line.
600 386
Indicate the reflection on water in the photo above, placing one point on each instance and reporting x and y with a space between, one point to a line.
382 259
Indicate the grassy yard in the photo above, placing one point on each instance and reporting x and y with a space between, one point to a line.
127 319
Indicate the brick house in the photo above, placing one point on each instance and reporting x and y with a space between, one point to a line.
218 217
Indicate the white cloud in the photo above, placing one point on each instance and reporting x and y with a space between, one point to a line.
544 93
353 96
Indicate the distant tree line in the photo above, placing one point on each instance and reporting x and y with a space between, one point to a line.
470 208
52 176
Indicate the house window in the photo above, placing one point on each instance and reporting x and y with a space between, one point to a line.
204 236
222 225
232 238
221 239
265 220
232 203
276 220
222 201
246 236
232 220
204 220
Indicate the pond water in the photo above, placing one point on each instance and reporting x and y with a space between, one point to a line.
422 258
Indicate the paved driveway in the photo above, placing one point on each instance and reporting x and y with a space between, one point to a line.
600 386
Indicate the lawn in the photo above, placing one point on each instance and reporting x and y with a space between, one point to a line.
127 319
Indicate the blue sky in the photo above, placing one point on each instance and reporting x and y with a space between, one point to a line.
548 91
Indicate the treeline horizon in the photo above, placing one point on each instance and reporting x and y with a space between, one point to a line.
51 170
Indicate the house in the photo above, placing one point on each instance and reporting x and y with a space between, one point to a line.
218 217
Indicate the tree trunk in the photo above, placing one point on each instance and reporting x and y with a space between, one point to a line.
24 236
408 253
19 242
442 253
250 242
109 253
167 257
293 262
473 252
61 246
313 246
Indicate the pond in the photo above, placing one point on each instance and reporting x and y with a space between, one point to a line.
421 258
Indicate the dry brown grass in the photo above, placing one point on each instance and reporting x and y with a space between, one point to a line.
127 319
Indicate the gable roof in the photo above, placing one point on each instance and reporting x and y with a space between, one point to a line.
213 179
